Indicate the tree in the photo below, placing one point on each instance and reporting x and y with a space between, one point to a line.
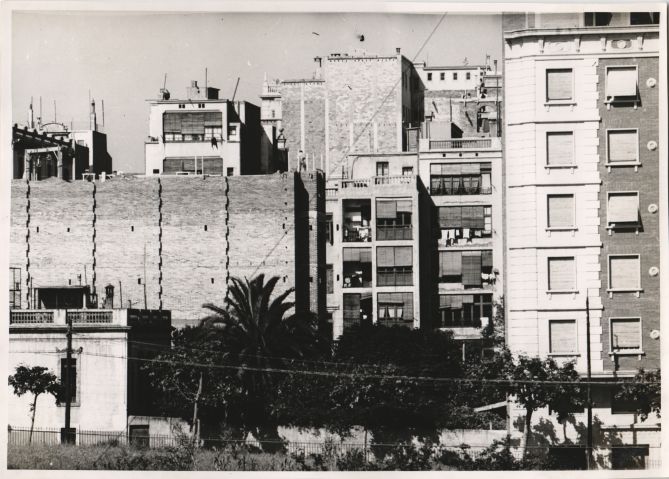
644 392
36 380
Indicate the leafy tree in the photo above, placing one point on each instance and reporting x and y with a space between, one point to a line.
36 380
644 391
567 397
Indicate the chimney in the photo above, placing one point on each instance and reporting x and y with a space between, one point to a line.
319 64
93 118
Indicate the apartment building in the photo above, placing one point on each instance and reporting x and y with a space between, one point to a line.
202 134
353 103
378 244
582 204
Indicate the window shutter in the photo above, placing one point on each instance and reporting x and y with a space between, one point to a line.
625 334
407 300
192 123
623 145
471 268
471 169
560 148
559 84
560 211
403 256
478 217
451 169
467 217
456 301
450 217
366 255
562 336
621 81
561 274
403 206
212 166
352 254
624 272
386 209
486 259
172 123
213 118
623 208
450 263
385 256
444 301
351 306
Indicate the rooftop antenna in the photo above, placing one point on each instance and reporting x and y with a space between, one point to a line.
235 92
54 111
164 93
103 112
205 82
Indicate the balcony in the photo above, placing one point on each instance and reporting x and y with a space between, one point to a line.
378 180
397 276
388 322
460 190
459 144
47 318
394 232
357 221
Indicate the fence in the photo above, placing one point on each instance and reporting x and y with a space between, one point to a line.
565 457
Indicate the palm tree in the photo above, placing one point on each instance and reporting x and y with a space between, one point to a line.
260 336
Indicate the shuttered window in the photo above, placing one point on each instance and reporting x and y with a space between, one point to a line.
561 274
621 81
352 306
624 273
387 256
625 334
623 146
450 263
562 336
471 268
559 84
398 306
623 208
386 209
559 148
329 278
560 211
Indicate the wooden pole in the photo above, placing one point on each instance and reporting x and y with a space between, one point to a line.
589 457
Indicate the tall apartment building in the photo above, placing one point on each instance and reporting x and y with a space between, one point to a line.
354 103
202 134
582 199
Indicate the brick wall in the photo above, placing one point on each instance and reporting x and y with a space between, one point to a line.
646 182
150 232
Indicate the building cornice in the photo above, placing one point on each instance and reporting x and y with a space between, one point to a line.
541 32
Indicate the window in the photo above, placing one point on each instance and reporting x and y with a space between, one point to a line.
629 457
597 19
621 83
232 132
560 211
464 310
469 76
644 18
623 210
455 75
202 126
561 274
624 273
394 265
329 228
156 171
465 222
622 146
329 278
407 170
562 336
358 309
625 335
429 77
560 148
393 220
139 436
72 391
466 267
357 218
442 76
357 270
559 84
395 308
273 113
230 171
460 179
382 168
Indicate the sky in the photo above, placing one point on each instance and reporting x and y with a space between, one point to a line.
122 58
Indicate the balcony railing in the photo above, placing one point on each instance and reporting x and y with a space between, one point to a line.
378 180
461 190
394 278
31 317
394 232
356 234
406 322
473 144
91 316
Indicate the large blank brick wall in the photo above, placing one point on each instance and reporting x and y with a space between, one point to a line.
309 95
127 240
59 256
17 234
192 257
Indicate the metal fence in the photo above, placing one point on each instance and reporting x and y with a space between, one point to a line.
564 457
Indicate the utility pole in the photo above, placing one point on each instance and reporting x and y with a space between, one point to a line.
68 379
196 421
589 458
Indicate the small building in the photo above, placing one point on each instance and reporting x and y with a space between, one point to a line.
109 383
203 135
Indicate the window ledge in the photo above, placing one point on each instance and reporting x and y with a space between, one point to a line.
626 290
559 103
611 227
550 167
571 355
631 352
562 291
622 163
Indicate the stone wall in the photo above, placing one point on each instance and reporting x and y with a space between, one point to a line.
174 240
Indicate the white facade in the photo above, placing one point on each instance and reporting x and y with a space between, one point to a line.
449 77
